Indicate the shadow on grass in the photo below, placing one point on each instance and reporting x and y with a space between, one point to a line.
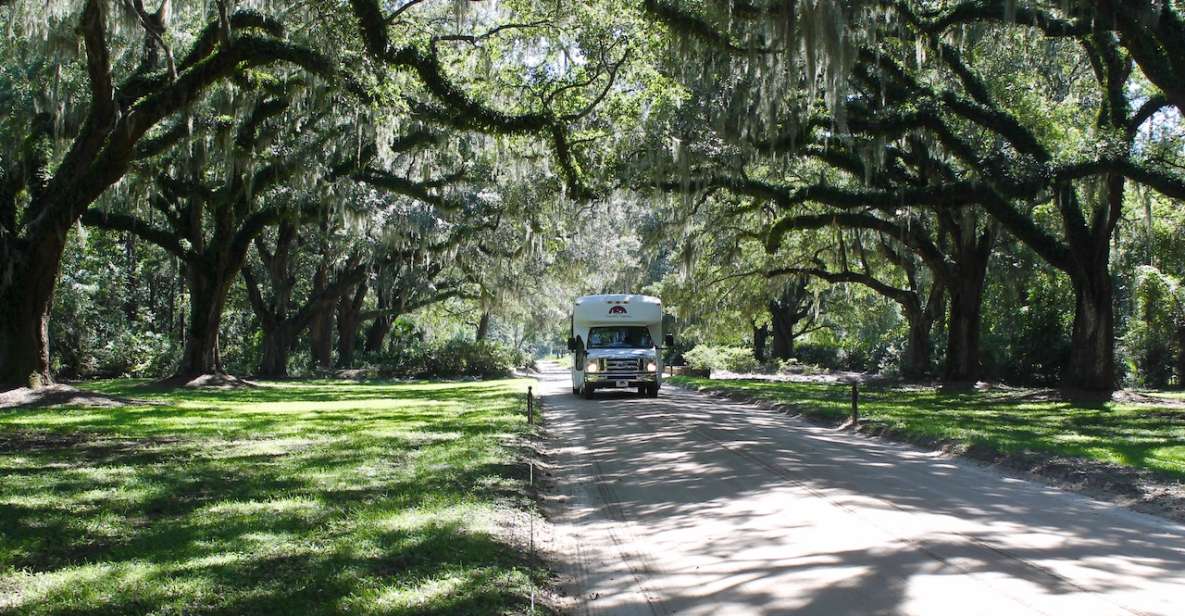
372 510
1139 436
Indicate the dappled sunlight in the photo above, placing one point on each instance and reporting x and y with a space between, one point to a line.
1141 436
699 505
207 501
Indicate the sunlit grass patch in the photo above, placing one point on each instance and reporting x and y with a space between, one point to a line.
296 497
1136 435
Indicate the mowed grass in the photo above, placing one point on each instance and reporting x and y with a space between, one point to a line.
294 498
1141 436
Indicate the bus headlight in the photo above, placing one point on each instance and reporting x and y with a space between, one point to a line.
592 366
651 367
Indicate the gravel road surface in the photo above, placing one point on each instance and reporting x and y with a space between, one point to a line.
692 505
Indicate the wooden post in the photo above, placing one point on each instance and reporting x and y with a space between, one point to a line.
530 407
855 404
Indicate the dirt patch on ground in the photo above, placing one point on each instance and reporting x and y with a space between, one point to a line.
1139 489
55 395
203 381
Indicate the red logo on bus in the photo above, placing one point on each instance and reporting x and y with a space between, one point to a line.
617 310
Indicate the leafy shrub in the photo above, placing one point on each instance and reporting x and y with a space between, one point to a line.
447 359
825 356
732 359
133 354
704 357
793 366
740 359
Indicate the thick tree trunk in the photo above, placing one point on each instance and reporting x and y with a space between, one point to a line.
783 335
376 334
321 339
962 340
791 306
483 326
760 337
25 304
966 285
24 341
1092 343
321 326
208 289
1181 356
348 321
277 344
917 351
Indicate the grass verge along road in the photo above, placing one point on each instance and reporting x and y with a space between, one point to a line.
1140 436
292 498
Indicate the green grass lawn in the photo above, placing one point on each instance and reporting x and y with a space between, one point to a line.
293 498
1140 436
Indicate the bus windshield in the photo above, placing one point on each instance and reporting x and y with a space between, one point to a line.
620 337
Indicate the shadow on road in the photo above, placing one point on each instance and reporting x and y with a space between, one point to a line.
727 507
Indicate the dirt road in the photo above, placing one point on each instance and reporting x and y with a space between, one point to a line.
691 505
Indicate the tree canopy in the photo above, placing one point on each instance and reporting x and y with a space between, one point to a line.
952 189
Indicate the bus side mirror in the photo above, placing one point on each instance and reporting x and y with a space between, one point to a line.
669 340
571 344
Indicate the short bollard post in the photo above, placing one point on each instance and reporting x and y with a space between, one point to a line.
530 407
855 404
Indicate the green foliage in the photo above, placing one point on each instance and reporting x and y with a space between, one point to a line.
448 359
1153 338
823 355
1027 317
732 359
112 313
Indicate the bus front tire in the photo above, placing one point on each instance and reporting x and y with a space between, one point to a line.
587 392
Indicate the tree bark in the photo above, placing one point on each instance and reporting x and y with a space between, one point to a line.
783 335
965 280
376 334
349 311
320 329
1181 355
483 326
966 311
25 304
962 332
785 311
208 288
277 345
760 338
917 352
1092 343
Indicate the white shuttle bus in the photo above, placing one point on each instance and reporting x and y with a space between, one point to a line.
615 344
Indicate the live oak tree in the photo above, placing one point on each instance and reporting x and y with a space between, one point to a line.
398 66
49 180
214 205
873 89
281 316
893 270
